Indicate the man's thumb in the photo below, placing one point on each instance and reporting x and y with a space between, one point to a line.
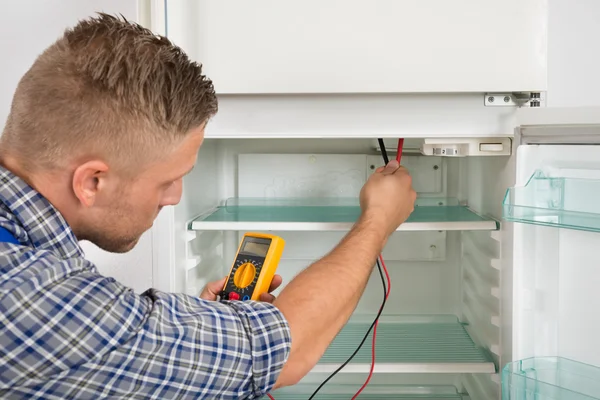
391 167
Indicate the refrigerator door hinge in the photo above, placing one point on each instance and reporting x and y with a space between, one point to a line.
464 147
516 99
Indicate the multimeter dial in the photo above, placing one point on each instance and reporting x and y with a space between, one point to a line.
244 275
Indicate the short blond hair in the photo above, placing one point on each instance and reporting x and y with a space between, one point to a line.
107 88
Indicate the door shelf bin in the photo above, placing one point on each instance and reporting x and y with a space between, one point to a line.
559 202
407 344
332 214
550 378
371 392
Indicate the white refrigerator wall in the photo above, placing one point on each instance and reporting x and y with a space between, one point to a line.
27 27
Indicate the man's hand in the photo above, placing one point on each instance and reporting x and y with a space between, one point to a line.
388 196
212 290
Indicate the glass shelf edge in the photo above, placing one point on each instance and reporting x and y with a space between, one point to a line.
487 225
472 221
405 368
373 390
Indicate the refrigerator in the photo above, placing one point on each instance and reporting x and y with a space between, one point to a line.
493 277
498 262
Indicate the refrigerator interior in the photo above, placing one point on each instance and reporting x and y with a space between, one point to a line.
444 314
470 292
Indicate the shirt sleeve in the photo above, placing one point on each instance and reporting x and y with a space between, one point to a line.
87 336
242 345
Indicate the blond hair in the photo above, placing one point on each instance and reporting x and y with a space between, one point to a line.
108 88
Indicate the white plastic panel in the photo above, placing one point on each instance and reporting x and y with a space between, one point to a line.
329 175
301 175
414 115
364 46
318 175
481 298
463 147
404 246
428 173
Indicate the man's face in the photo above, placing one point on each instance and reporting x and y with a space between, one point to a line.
127 209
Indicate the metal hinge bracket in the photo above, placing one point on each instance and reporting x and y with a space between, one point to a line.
517 99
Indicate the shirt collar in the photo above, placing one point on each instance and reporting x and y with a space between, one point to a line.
31 218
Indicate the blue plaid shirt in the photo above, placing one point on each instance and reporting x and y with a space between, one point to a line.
67 332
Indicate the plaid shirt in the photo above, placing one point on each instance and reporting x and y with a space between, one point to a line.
67 332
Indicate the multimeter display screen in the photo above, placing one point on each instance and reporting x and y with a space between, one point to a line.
256 246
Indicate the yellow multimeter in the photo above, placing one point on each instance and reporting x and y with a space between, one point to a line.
254 267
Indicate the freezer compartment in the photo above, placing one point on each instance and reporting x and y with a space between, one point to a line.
407 344
333 214
380 392
550 378
562 202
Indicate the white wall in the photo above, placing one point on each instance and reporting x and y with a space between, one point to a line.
573 53
27 27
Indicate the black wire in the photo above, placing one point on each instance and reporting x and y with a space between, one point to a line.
364 338
383 151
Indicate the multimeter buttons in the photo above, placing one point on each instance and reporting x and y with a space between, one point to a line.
244 275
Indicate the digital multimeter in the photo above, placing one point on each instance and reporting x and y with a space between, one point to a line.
254 267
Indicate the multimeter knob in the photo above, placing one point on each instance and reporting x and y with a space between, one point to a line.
244 275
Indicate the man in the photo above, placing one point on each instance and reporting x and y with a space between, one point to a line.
101 131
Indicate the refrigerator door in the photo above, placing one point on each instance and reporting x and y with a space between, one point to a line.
361 46
554 210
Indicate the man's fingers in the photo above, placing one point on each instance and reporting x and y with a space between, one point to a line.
267 297
275 283
212 289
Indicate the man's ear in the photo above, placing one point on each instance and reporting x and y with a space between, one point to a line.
88 179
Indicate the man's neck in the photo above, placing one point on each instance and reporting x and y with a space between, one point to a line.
13 164
53 186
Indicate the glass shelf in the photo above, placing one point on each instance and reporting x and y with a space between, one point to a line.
371 392
559 202
549 378
333 214
407 344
